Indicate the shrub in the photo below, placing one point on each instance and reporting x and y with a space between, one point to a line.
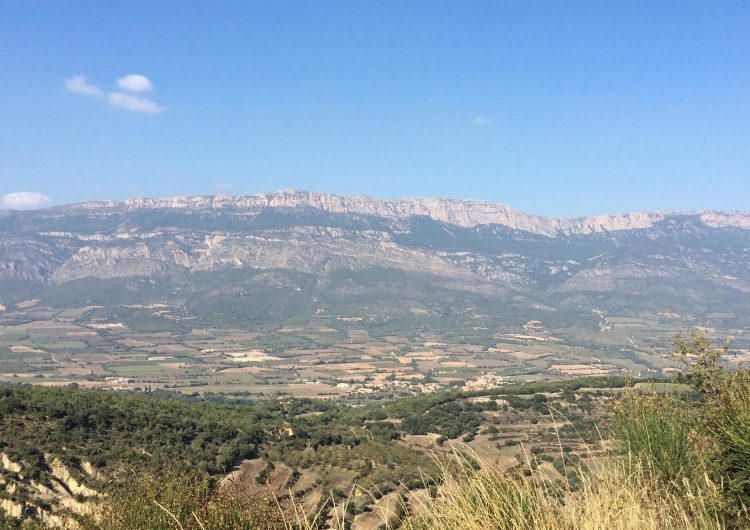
702 361
676 438
726 424
181 500
654 432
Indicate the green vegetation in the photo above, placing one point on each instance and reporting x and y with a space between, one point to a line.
608 496
680 457
655 429
108 429
686 437
682 461
320 448
186 500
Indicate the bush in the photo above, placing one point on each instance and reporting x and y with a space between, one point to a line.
181 500
702 361
727 429
654 432
693 437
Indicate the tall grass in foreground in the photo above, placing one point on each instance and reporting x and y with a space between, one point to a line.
683 438
612 495
726 431
681 461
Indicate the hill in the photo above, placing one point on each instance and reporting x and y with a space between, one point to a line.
61 447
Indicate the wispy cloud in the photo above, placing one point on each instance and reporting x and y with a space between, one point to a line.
135 103
482 121
133 83
25 200
79 85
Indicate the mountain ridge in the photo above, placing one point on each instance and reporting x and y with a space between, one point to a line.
459 212
631 263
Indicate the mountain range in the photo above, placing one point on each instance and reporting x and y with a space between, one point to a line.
689 263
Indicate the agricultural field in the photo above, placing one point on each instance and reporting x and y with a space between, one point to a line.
352 356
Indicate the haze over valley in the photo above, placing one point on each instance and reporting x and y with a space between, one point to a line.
311 294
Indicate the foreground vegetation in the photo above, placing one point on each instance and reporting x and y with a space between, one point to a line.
318 448
682 461
678 455
610 495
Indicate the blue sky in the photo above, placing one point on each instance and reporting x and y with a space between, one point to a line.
561 108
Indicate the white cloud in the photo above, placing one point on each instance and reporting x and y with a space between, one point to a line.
25 200
79 85
134 103
135 83
482 121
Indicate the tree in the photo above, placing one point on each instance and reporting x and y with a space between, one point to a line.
705 374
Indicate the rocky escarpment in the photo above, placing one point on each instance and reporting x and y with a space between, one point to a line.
304 249
464 213
45 498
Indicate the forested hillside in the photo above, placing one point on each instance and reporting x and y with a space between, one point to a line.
49 436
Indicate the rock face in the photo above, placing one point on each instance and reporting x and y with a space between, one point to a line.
60 492
648 259
462 213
